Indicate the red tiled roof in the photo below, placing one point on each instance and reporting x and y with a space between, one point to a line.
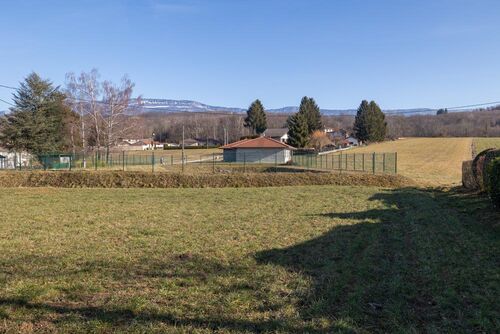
260 142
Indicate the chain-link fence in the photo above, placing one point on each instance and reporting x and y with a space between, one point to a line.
375 163
215 162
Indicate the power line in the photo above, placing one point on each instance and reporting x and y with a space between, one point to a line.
474 105
6 102
8 87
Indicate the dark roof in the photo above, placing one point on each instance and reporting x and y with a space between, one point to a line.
260 142
276 132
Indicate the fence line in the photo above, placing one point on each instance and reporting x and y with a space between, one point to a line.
383 163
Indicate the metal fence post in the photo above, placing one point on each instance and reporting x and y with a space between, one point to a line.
383 163
373 162
354 163
363 161
396 163
70 160
153 161
123 160
244 163
95 160
340 162
275 162
213 162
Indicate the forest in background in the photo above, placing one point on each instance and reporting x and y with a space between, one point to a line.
168 126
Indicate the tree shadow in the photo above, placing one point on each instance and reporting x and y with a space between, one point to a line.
424 261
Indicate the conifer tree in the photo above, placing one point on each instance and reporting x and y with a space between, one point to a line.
298 133
256 117
360 122
36 123
311 112
369 124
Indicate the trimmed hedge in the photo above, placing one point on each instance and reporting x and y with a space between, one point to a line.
493 185
117 179
468 178
476 175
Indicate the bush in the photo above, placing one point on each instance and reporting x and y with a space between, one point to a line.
480 166
493 185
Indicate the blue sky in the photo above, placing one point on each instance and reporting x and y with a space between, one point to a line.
401 53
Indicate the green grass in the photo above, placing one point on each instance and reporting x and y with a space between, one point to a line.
315 259
482 144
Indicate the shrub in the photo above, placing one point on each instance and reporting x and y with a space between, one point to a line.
493 184
480 166
468 179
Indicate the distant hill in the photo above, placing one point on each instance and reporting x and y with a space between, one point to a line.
168 106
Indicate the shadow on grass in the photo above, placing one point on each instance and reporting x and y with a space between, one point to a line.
422 261
426 261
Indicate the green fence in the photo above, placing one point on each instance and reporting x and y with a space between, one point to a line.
153 161
375 163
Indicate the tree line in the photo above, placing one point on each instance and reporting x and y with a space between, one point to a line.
86 114
91 114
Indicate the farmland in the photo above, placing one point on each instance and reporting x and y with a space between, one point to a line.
483 143
429 161
302 259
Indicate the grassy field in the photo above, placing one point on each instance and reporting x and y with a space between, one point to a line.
316 259
482 144
429 161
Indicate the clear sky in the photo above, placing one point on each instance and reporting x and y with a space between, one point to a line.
403 54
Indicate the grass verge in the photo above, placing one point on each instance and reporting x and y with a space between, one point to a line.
313 259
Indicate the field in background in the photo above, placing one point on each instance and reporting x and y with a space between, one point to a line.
482 144
429 161
311 259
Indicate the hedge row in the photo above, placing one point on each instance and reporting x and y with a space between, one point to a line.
115 179
493 185
475 173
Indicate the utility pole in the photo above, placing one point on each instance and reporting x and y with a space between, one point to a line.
182 148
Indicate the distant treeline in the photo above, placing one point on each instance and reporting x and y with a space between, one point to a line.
481 123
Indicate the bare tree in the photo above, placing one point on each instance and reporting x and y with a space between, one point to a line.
116 101
83 97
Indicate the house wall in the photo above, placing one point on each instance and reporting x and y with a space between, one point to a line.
12 160
257 155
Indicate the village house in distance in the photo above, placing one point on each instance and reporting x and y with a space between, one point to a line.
258 150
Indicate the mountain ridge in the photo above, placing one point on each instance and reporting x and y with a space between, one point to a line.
170 106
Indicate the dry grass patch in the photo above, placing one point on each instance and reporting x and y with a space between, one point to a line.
481 144
429 161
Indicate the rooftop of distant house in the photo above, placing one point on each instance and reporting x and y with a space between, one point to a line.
276 132
260 142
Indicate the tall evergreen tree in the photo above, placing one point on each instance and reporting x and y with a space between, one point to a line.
298 133
360 122
36 123
378 125
370 124
256 117
311 112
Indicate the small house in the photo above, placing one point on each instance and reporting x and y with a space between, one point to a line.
258 150
338 135
190 143
3 162
352 141
280 134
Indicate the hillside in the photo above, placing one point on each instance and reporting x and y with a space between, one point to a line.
175 106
